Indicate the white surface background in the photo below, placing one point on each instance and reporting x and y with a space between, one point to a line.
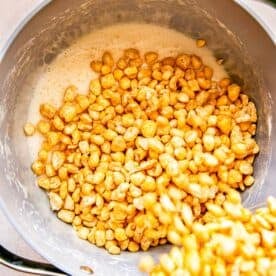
14 11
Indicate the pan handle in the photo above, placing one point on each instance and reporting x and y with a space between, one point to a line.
24 265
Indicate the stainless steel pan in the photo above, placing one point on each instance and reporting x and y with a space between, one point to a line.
232 34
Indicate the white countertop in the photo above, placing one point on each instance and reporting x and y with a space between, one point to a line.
265 14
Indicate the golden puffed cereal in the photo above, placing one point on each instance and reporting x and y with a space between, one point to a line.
153 154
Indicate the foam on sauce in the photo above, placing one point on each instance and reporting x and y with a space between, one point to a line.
72 66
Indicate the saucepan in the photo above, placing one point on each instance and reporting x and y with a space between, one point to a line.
232 34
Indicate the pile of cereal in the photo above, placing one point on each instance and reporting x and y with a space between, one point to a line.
153 152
